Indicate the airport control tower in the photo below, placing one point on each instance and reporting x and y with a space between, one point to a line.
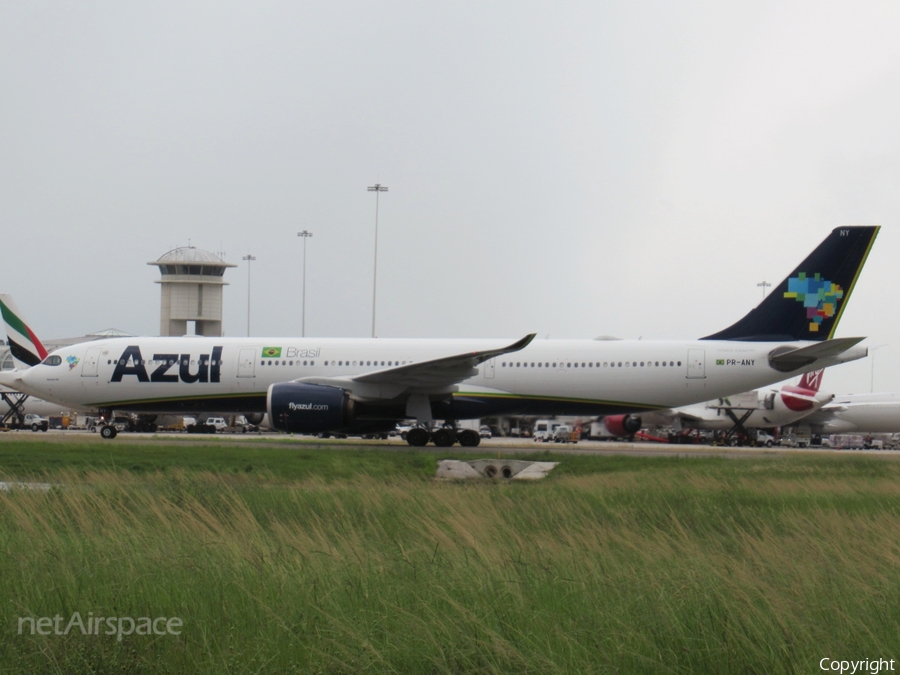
191 290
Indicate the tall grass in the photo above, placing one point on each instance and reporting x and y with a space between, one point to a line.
728 567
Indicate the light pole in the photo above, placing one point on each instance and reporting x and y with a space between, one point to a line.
306 235
377 188
249 258
764 284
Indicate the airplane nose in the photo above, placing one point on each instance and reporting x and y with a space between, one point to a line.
9 378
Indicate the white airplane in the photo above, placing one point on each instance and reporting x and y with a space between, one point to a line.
310 385
30 406
857 413
752 410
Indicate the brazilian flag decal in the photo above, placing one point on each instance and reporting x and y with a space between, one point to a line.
271 352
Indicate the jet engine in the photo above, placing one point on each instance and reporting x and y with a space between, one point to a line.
254 418
622 425
308 408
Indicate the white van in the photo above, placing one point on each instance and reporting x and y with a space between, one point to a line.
543 430
218 422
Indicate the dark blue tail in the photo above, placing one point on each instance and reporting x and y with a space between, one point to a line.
809 303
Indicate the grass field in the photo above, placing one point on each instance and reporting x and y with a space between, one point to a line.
311 558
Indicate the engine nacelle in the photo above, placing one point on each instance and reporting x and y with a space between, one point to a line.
254 418
622 425
308 408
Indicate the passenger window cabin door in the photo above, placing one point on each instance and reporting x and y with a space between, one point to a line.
247 363
696 364
91 362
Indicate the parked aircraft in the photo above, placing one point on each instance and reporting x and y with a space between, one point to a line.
30 405
310 385
857 413
760 409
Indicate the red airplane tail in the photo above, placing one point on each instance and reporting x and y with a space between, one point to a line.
811 380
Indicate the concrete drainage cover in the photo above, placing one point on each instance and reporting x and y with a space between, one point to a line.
506 469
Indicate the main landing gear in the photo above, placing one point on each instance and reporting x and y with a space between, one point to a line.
444 437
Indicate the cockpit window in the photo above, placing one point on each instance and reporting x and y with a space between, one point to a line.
53 360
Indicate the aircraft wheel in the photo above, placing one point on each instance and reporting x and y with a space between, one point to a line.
469 438
417 437
108 432
444 438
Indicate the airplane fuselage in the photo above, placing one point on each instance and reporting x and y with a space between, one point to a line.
767 415
171 375
860 413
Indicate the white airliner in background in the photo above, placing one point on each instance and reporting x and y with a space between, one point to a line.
309 385
762 409
857 413
31 406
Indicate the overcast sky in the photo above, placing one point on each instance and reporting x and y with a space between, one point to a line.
568 168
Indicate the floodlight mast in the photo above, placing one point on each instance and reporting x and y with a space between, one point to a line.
377 188
249 258
306 235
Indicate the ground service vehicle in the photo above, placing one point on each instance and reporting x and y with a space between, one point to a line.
36 423
564 434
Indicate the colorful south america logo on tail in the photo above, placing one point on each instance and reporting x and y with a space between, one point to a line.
819 296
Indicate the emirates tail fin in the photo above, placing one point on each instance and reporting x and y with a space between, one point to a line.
24 345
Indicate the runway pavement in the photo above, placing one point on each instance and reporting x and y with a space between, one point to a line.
508 446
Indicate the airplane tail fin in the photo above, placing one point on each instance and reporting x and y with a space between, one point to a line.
809 303
806 395
24 345
812 380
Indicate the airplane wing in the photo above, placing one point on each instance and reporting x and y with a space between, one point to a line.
787 359
805 397
688 416
434 376
823 415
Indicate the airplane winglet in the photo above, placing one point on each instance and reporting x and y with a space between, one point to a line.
516 346
785 359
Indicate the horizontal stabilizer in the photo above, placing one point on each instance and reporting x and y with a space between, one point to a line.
785 359
805 397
